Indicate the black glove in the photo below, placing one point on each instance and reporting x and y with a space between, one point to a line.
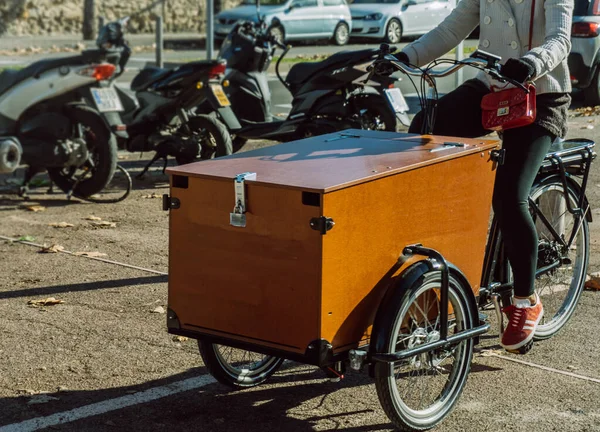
517 69
402 57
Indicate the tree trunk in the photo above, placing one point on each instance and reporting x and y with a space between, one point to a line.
89 20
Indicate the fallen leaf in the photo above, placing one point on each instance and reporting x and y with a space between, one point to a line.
91 254
104 224
52 249
159 309
34 208
26 238
179 339
93 218
593 284
40 399
50 301
490 352
152 195
61 225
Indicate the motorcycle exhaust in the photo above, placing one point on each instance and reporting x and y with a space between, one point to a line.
10 154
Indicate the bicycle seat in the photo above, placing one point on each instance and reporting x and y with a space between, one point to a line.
147 76
301 72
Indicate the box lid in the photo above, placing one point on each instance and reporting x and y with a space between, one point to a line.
334 161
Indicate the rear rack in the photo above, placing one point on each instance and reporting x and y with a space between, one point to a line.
573 155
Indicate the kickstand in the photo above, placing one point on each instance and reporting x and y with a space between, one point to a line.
156 157
30 173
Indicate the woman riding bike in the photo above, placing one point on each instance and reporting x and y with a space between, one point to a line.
506 29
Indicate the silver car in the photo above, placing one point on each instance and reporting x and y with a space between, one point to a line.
390 20
585 49
290 20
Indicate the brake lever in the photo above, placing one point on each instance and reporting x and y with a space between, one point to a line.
496 75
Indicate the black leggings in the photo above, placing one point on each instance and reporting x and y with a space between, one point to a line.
459 114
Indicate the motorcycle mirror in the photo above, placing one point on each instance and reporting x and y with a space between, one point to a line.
123 21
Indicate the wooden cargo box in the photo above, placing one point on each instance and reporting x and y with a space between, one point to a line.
284 280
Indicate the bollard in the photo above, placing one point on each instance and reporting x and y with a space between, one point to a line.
100 22
210 32
159 42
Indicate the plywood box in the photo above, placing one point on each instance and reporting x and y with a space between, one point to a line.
280 284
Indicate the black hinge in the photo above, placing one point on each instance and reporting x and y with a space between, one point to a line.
498 156
322 224
170 203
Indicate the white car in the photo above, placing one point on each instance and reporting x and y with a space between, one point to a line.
584 59
390 20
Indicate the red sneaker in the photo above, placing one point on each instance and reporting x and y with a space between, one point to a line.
522 322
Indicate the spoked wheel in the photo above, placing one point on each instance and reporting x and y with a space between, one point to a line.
417 393
278 33
209 139
94 154
341 35
237 368
373 113
559 288
393 33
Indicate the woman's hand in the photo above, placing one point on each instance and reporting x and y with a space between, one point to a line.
517 69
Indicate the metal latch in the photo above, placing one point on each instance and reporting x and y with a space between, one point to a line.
170 203
498 156
238 217
322 224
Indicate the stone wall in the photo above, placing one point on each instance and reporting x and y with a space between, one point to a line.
40 17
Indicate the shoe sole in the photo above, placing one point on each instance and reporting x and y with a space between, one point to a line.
516 347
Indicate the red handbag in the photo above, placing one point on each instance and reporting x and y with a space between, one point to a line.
510 108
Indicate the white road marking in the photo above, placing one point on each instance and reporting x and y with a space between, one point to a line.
109 405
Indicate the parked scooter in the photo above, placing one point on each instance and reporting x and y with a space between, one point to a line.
46 125
327 96
158 115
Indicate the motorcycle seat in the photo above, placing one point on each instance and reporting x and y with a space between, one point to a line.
10 78
147 76
301 72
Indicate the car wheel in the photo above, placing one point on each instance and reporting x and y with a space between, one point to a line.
341 35
393 32
277 32
592 93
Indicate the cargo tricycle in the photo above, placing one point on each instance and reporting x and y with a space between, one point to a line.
365 249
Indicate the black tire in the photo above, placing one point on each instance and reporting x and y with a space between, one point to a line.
211 139
412 326
592 93
237 368
102 146
393 32
561 288
341 34
277 31
373 112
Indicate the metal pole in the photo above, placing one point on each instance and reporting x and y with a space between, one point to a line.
459 56
210 33
159 41
100 22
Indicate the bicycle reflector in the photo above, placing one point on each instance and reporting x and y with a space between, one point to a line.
585 29
216 70
98 72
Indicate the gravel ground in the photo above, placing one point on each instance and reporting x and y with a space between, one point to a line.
107 343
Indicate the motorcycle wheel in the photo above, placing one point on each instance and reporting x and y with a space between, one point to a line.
212 137
94 174
372 112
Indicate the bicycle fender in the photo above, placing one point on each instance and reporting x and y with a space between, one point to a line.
571 183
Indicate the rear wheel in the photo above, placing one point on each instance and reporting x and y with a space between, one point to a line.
341 35
393 32
560 288
91 175
372 112
209 139
419 392
237 368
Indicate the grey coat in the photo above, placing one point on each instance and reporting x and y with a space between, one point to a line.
504 31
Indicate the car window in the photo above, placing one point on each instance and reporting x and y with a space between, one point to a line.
581 7
376 1
333 2
304 3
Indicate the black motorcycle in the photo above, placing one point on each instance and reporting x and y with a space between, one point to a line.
328 96
157 115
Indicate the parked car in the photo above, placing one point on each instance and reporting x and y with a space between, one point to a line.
290 20
390 20
585 49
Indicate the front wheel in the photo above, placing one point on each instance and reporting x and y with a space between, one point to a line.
419 392
91 135
559 288
341 35
237 368
393 32
372 112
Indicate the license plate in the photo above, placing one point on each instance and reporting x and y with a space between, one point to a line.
107 99
220 95
396 100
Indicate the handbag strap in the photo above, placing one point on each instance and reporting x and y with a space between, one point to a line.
531 24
